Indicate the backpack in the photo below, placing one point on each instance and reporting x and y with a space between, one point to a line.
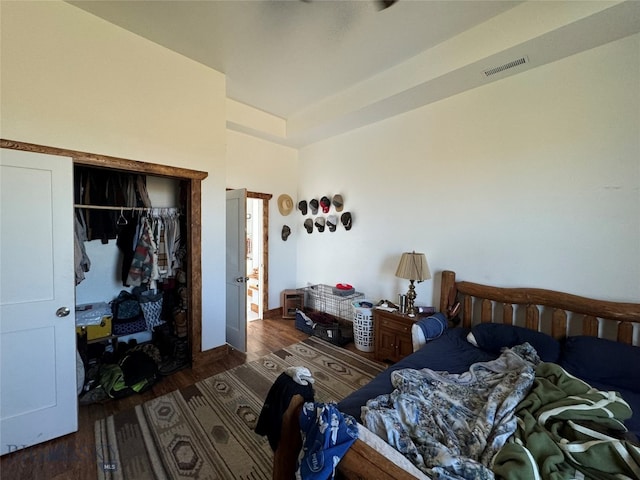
127 314
135 373
125 307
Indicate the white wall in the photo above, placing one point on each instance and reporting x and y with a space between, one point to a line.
533 180
266 167
71 80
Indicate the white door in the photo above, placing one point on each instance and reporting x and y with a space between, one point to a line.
38 395
236 278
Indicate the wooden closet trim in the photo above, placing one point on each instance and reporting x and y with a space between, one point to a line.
193 179
106 161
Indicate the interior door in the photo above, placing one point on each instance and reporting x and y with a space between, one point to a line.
236 269
38 393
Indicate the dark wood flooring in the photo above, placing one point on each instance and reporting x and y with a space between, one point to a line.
73 456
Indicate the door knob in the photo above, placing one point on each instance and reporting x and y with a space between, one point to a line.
242 279
63 312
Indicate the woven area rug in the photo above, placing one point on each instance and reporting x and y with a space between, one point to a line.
206 430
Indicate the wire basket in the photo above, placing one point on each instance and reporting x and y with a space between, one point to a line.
363 327
321 298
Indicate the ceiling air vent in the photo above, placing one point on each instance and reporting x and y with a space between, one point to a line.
506 66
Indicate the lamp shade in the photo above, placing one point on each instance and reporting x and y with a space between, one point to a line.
413 266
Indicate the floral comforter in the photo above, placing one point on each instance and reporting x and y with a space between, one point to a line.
451 425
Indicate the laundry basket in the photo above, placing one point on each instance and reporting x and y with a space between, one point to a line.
363 325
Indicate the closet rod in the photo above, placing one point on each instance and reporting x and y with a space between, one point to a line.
104 207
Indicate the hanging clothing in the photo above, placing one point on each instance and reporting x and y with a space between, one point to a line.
94 186
82 263
127 241
154 276
140 188
142 262
99 187
154 248
172 241
161 241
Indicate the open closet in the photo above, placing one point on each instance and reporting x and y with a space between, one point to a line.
38 289
178 191
132 237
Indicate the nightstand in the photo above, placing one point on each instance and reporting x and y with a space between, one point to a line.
392 335
291 300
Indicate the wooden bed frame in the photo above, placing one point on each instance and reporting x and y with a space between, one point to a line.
568 314
559 314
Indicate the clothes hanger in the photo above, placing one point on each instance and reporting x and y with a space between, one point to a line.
121 219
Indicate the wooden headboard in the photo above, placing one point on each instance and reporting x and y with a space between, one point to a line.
559 314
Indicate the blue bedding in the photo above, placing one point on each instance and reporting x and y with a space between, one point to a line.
453 353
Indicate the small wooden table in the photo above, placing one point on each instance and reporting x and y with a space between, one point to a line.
291 300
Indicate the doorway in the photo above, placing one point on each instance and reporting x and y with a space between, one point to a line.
255 266
239 270
257 254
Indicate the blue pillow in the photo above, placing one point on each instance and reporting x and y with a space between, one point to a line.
433 326
493 337
601 360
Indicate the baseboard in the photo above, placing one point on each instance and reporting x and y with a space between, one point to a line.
212 355
273 313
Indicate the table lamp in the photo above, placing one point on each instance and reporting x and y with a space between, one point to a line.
413 267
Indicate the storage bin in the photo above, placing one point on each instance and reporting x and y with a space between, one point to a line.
95 331
304 322
363 326
94 319
342 292
337 334
325 326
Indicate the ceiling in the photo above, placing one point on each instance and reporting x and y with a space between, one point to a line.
289 58
282 56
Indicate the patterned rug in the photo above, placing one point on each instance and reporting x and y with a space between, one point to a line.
205 431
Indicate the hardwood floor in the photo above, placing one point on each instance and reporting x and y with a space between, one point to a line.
73 456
